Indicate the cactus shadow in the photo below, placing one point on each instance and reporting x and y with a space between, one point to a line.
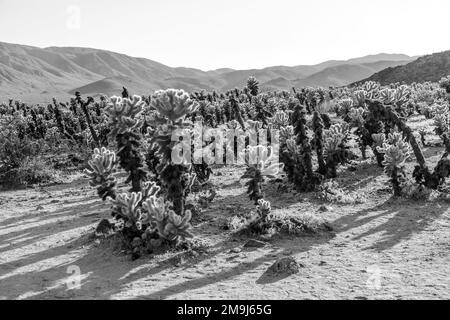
270 278
400 220
47 225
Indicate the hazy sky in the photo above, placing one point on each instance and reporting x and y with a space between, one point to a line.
209 34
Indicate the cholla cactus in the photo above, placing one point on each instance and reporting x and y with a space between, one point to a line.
175 176
292 146
396 151
334 137
169 225
445 84
279 120
343 107
264 208
357 116
318 126
395 96
253 125
296 154
402 94
125 120
286 133
100 171
127 210
335 150
261 162
371 86
173 104
124 114
127 207
378 139
253 86
233 124
360 97
441 118
261 221
387 96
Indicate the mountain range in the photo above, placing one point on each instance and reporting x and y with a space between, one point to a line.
35 74
431 67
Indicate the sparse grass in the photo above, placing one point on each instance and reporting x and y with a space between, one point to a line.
331 192
31 171
278 224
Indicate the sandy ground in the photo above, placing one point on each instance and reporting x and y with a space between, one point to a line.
384 248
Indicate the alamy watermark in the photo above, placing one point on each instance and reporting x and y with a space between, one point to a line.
74 280
230 146
73 21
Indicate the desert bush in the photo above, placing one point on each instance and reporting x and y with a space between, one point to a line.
263 222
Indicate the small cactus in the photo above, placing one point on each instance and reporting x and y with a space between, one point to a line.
100 171
127 207
169 225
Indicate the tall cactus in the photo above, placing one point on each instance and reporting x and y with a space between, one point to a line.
335 149
317 126
176 178
396 151
125 120
253 86
261 162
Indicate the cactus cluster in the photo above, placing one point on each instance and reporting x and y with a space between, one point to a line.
441 118
153 211
396 152
335 148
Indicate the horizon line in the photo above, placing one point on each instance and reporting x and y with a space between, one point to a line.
203 70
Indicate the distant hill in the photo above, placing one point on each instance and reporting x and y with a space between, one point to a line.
427 68
36 75
344 74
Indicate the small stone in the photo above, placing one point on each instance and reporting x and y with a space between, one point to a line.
322 263
104 228
135 255
286 265
235 250
252 243
324 209
194 253
219 174
136 243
